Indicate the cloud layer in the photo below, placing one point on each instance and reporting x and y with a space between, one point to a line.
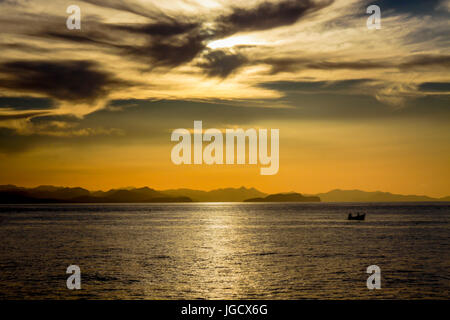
249 53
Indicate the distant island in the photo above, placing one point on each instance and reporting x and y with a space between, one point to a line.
10 194
51 194
285 197
338 195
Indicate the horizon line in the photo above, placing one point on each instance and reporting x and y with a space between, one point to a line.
220 188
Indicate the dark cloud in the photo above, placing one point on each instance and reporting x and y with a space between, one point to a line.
435 86
411 7
295 64
112 35
221 63
268 15
78 81
25 103
94 38
17 116
160 29
167 43
170 43
352 65
23 47
426 61
170 53
284 64
52 117
154 119
173 42
316 86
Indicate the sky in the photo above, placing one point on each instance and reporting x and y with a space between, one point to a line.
357 108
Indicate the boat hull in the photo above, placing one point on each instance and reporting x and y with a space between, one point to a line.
357 218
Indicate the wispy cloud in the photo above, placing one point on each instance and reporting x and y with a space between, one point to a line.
136 49
77 81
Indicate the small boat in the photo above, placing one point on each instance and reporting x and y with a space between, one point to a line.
359 217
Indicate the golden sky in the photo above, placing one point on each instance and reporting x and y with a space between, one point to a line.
356 108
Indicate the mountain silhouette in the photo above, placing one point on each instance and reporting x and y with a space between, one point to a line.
10 194
285 197
377 196
51 194
218 195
